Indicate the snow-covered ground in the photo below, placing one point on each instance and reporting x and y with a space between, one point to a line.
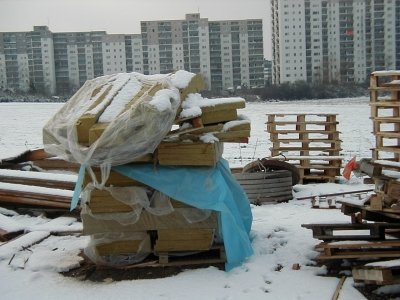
278 239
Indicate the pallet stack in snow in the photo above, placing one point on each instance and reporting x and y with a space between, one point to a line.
310 141
202 126
385 114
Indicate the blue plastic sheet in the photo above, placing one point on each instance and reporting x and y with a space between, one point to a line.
205 188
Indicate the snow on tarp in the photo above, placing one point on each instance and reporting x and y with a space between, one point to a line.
205 188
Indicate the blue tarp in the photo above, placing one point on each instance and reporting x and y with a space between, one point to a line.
204 188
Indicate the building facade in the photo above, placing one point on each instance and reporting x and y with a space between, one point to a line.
334 40
27 60
229 54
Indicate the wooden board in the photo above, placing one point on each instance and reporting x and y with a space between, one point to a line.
126 246
101 201
189 154
212 117
115 179
96 129
88 120
376 275
147 221
184 240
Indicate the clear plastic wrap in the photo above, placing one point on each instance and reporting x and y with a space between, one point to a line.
138 199
137 246
132 131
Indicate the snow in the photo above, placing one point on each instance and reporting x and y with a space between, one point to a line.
38 175
180 79
120 80
35 189
278 239
162 99
121 100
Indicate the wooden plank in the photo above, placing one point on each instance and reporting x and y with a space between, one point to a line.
195 85
376 275
101 201
232 135
88 120
338 288
147 221
189 154
359 255
337 194
96 129
115 179
56 164
212 117
65 185
184 240
126 246
185 234
224 106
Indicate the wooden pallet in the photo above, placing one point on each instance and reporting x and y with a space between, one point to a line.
359 250
307 135
385 114
350 231
365 212
378 275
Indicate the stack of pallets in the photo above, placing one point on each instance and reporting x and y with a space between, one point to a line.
385 115
310 141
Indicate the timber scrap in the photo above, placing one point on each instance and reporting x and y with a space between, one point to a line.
31 189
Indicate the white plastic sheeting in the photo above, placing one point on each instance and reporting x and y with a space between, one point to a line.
131 132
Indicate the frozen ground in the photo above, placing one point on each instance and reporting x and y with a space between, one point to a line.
278 239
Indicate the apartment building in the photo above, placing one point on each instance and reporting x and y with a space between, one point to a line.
78 56
229 54
334 40
26 60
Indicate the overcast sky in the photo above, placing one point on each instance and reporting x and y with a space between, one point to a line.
124 16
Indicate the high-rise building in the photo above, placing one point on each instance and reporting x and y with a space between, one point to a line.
334 40
26 60
229 54
78 57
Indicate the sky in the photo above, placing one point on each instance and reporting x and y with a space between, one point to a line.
124 16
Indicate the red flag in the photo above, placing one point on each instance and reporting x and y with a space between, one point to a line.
350 166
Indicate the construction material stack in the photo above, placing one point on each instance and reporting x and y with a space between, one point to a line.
309 141
134 135
385 115
370 244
